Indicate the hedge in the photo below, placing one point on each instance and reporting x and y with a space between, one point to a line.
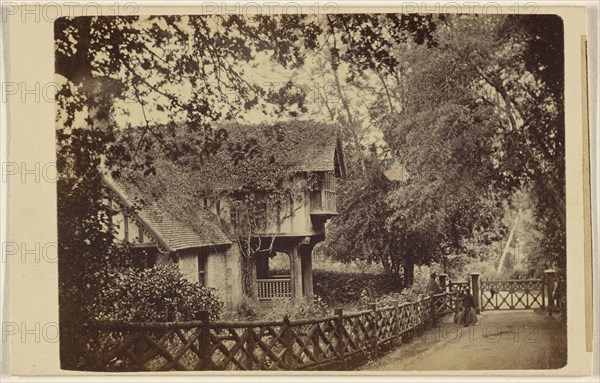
346 288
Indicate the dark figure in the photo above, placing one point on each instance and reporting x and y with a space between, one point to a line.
458 309
432 287
469 314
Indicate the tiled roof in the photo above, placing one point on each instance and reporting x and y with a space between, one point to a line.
171 199
173 234
296 146
317 156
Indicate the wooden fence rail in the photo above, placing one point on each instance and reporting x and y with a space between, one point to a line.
333 342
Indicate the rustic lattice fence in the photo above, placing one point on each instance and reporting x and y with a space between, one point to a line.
518 294
334 342
459 286
515 294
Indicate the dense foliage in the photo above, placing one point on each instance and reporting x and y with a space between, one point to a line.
193 70
469 106
340 288
157 294
472 119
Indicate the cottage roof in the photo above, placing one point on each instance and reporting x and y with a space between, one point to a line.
170 201
194 230
246 155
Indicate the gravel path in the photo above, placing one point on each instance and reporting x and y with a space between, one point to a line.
501 340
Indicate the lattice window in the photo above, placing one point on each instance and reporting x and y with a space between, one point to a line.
324 198
329 183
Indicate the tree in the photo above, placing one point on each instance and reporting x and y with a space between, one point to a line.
490 121
478 117
182 69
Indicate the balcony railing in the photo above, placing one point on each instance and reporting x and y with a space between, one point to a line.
274 288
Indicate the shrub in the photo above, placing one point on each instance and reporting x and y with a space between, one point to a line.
342 288
249 309
157 294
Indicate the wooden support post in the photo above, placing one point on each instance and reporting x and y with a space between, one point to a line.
550 276
205 362
543 288
296 274
307 274
475 291
339 334
288 342
443 281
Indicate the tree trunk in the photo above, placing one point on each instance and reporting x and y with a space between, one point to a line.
385 262
508 242
249 276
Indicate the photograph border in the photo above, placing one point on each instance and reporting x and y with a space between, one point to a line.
32 287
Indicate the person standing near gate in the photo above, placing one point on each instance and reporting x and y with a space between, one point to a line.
432 287
469 315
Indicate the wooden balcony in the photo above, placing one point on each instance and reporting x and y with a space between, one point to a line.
274 288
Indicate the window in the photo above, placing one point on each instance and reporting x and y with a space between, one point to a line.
329 192
202 269
329 183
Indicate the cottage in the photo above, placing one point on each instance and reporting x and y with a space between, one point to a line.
265 190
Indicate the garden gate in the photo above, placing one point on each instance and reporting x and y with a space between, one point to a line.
520 294
516 294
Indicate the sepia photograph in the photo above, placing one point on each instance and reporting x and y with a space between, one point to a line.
373 192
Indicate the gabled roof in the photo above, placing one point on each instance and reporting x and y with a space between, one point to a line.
302 146
171 233
170 201
247 154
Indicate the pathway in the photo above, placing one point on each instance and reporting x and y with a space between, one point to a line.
511 340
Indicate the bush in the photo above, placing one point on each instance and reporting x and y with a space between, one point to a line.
414 292
342 288
249 309
157 294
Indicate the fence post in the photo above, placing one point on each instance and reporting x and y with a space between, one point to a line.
316 346
288 343
443 280
205 362
339 331
550 275
373 327
543 288
396 319
250 345
475 291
